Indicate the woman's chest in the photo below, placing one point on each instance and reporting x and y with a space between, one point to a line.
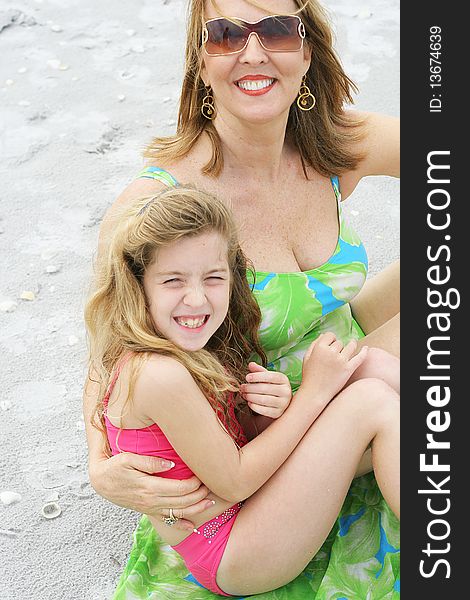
288 229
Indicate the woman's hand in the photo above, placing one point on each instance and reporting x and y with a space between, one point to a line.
267 393
328 365
125 479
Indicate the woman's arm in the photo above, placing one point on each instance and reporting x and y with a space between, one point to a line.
166 393
380 146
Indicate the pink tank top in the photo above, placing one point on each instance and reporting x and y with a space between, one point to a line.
151 441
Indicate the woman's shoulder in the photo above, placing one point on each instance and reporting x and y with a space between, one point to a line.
144 185
134 191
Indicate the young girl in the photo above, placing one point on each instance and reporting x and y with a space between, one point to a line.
172 324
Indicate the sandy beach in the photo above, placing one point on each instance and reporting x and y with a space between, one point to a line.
83 87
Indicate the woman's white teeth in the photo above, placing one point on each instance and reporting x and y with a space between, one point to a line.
191 323
251 85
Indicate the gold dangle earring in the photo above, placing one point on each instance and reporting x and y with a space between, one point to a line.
208 108
305 100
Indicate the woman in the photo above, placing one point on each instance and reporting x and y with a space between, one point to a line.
262 126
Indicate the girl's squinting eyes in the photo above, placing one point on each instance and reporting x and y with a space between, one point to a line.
210 278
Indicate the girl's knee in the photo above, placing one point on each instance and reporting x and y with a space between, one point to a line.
373 404
379 364
377 361
372 391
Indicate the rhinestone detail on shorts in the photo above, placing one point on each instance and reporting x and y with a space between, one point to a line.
209 530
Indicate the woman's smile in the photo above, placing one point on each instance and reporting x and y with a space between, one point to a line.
255 85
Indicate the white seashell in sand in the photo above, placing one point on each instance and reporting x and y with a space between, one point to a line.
130 32
56 28
8 497
121 97
27 295
51 510
73 339
52 269
9 82
22 70
24 103
7 306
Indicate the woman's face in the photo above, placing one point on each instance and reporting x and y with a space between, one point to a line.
278 74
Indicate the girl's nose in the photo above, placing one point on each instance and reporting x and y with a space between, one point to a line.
195 297
253 53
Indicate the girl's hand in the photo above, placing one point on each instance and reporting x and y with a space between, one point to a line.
328 365
125 479
267 393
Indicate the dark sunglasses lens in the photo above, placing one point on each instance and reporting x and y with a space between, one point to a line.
224 37
280 33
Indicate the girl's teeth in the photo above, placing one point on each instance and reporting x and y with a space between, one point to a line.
254 85
191 323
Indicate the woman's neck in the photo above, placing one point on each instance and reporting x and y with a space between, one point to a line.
256 147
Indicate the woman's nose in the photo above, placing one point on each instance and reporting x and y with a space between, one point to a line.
253 52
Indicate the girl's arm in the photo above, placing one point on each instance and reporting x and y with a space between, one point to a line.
166 393
253 425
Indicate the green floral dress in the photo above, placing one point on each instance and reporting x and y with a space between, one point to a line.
360 558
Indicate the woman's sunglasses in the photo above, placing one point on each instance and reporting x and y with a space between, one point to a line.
276 33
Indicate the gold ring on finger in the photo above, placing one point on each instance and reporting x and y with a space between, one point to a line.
171 519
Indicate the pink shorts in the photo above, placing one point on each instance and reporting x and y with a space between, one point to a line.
203 551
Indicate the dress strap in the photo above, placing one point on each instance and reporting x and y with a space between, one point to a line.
117 371
158 174
335 183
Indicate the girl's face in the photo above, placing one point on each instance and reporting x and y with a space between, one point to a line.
188 289
231 76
